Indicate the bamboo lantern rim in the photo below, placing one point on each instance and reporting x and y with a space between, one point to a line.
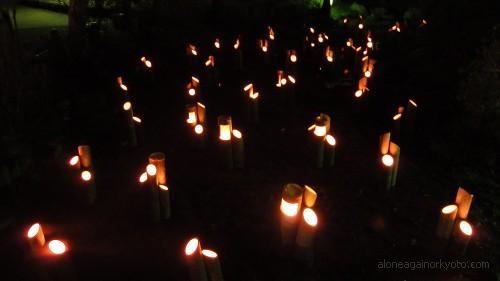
157 156
143 177
387 160
86 175
289 209
192 246
449 209
74 160
57 247
33 230
465 228
163 187
151 169
310 217
209 253
331 140
198 129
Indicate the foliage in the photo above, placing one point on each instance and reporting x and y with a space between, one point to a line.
313 4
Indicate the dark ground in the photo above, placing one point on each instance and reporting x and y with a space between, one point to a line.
235 213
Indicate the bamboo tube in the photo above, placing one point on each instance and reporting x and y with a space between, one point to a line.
388 162
192 116
238 149
158 160
213 265
395 150
164 202
36 236
85 156
59 262
411 112
309 197
446 221
132 134
199 130
89 183
330 151
396 128
321 129
200 113
385 140
463 202
194 260
290 206
463 234
225 131
307 228
239 54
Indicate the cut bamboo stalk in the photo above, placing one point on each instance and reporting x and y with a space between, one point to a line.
225 132
396 128
388 162
446 221
463 234
90 187
307 228
238 149
157 159
395 151
132 134
85 157
321 129
165 210
463 202
36 237
213 265
290 206
330 151
411 112
59 262
309 197
195 262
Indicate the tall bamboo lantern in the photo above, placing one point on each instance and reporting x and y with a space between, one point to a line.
35 236
193 88
446 221
238 149
212 262
225 132
320 129
58 260
131 121
159 192
463 202
290 207
239 53
194 259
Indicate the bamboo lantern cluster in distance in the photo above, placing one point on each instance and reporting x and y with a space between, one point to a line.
202 264
147 63
83 162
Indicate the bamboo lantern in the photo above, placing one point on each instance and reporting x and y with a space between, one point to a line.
159 193
127 107
292 56
362 87
217 43
254 102
58 257
213 265
191 50
239 53
123 87
396 127
147 63
463 235
86 168
391 162
225 132
367 67
35 236
194 260
307 228
281 79
270 32
210 62
463 202
322 37
238 149
446 221
290 206
329 54
193 87
309 197
192 116
85 157
395 28
291 61
411 112
320 129
264 47
330 150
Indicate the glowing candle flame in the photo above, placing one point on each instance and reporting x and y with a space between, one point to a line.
74 160
57 247
148 64
143 177
151 170
254 95
217 43
191 246
312 44
86 175
320 38
387 160
358 93
320 131
127 106
289 209
33 231
345 20
331 140
271 33
192 92
310 217
329 58
449 209
137 119
124 87
236 44
368 74
293 58
283 81
291 79
358 49
361 26
369 44
237 134
465 228
195 79
198 129
413 103
396 117
247 87
191 117
163 187
349 43
311 29
209 254
264 49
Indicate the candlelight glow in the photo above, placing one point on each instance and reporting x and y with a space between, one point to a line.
369 44
191 117
198 129
192 92
237 134
396 117
148 64
345 20
361 26
283 81
387 160
291 78
151 169
236 44
163 187
311 29
217 43
289 209
465 228
137 119
320 131
74 160
293 58
86 175
191 246
225 132
349 43
320 38
368 74
209 254
329 58
331 140
395 27
413 103
311 127
254 95
449 209
57 247
143 177
310 217
192 49
127 106
271 33
312 44
358 93
247 87
264 49
124 87
33 231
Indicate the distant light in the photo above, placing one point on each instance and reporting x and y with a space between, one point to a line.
449 209
163 187
237 134
293 58
192 92
198 129
143 178
358 93
361 26
368 74
331 140
137 119
127 105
